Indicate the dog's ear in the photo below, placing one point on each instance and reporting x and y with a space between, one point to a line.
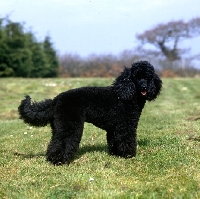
154 87
124 86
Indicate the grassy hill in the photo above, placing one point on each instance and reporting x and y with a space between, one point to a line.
167 164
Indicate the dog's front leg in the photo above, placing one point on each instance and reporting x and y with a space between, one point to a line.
122 143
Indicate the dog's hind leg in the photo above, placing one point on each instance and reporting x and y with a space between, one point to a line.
64 142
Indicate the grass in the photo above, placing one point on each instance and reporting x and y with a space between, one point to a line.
167 164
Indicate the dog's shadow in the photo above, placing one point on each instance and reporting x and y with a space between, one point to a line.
28 155
81 151
104 148
90 149
143 142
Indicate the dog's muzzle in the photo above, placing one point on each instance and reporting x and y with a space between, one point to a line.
144 93
143 86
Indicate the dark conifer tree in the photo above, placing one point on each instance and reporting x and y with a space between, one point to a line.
51 57
21 55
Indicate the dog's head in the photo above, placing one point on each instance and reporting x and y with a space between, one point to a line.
139 80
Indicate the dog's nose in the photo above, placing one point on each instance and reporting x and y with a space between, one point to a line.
144 88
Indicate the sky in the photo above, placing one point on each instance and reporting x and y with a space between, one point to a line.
87 27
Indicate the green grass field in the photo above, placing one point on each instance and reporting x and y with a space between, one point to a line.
167 164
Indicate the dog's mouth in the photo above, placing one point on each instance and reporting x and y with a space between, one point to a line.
143 93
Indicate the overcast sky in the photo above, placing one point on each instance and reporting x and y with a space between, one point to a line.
95 26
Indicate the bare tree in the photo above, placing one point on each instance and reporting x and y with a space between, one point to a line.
167 37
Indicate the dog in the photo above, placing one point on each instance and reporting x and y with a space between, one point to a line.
115 109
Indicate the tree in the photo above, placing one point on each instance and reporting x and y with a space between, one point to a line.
167 37
21 55
40 65
5 68
51 57
18 51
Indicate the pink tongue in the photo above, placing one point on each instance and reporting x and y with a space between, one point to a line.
144 93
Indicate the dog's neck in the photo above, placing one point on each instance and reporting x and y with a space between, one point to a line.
138 101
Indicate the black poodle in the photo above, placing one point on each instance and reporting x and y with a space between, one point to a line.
115 108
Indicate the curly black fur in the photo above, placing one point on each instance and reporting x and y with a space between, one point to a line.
115 108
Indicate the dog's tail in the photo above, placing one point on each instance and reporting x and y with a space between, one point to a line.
36 113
